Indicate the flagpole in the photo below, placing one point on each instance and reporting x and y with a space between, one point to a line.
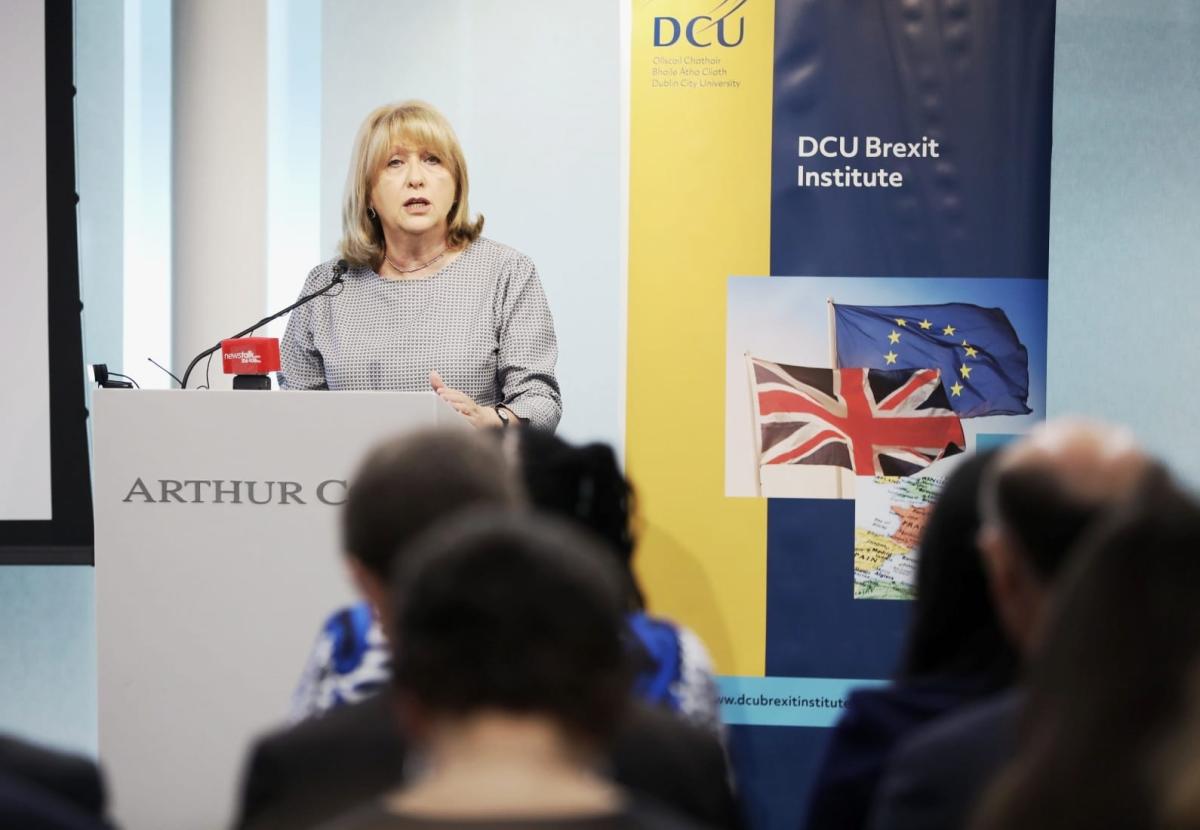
755 427
833 364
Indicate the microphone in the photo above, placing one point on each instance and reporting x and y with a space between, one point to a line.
339 271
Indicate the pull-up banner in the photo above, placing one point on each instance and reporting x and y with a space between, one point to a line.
886 164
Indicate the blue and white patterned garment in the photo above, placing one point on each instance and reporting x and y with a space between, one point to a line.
350 661
681 677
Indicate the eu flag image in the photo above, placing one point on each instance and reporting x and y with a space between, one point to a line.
984 366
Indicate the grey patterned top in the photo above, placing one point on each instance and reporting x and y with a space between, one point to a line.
482 322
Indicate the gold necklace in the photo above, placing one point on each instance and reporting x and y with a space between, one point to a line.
400 270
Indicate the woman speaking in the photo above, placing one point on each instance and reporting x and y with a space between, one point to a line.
427 301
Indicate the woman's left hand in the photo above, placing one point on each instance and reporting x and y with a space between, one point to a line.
479 416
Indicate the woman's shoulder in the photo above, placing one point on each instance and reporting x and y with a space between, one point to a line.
320 275
323 270
492 255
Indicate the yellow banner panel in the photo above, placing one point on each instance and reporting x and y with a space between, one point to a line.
699 212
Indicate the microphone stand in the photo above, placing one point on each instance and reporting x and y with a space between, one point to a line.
338 270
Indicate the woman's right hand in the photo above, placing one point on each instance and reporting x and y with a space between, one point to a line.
479 416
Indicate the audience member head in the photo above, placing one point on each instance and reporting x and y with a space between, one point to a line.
1110 679
584 484
408 484
510 615
954 627
1039 498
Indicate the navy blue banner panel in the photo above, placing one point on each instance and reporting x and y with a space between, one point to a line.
912 137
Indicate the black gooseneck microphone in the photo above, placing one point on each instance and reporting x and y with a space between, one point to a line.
339 270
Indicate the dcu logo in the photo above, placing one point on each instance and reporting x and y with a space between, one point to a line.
706 30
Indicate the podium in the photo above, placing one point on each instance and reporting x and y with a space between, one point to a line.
217 560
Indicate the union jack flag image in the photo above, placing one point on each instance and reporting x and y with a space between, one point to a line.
871 422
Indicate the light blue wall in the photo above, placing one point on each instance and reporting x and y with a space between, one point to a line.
48 644
1125 230
99 105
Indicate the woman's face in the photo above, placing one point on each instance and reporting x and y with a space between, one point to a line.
414 191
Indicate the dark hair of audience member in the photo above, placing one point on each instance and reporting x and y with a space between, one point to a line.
510 612
1109 683
954 627
1178 767
584 484
409 483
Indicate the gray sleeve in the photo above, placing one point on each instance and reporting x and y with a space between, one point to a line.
300 363
528 349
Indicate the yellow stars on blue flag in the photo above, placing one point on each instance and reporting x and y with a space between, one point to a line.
965 370
894 336
983 364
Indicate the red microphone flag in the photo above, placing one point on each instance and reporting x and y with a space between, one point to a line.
250 355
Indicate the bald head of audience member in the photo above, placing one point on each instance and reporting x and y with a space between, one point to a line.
1042 494
410 483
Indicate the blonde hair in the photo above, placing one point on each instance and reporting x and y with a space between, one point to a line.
411 123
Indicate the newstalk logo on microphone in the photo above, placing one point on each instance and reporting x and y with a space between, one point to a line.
331 491
250 355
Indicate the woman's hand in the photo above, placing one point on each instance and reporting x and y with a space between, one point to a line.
479 416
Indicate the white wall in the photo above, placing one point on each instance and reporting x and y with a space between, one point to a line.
147 287
219 175
293 149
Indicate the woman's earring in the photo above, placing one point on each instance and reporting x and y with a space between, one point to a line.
371 214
